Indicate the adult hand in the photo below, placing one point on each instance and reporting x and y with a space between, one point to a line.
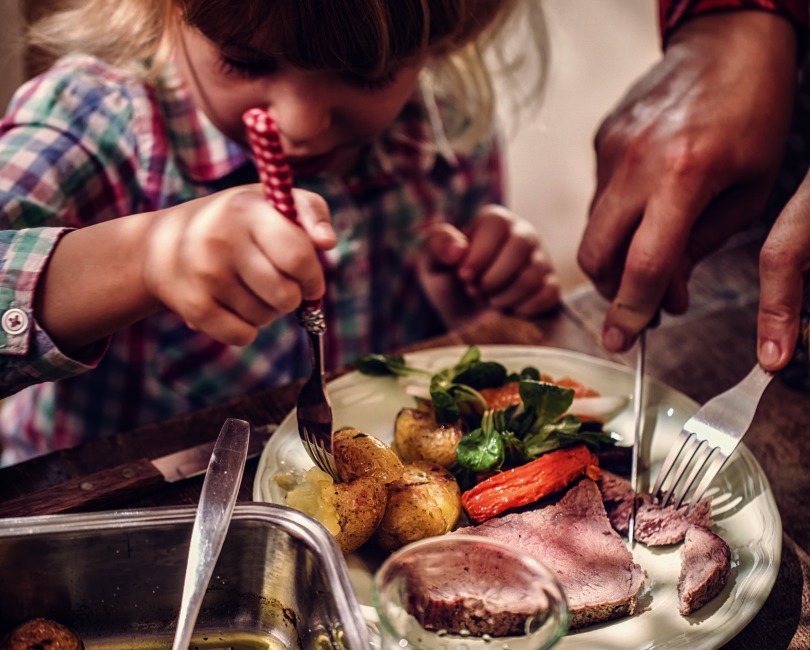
497 263
687 158
784 261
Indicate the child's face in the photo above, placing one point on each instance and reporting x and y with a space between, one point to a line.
323 117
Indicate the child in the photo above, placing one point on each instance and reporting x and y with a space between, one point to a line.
127 181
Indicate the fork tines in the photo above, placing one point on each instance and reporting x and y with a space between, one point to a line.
688 451
314 416
314 412
322 459
708 439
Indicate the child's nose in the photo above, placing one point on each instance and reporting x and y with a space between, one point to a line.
302 116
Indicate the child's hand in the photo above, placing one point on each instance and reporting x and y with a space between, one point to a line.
229 263
497 263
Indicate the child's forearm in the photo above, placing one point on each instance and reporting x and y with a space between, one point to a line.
93 284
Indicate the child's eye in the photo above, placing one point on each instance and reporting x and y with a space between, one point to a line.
245 68
366 83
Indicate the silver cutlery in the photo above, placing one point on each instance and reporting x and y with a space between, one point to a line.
638 428
709 437
214 510
313 408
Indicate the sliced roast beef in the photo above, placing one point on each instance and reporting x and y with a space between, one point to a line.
574 538
655 526
616 458
466 594
705 566
617 495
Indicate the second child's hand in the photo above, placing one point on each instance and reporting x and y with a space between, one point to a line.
444 250
497 263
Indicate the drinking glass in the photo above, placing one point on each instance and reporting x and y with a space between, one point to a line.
464 592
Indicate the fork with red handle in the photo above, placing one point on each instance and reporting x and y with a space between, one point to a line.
313 409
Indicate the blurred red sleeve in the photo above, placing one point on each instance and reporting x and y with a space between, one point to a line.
671 13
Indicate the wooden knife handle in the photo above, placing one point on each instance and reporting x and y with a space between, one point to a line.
106 486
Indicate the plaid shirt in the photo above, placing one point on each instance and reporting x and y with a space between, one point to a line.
86 142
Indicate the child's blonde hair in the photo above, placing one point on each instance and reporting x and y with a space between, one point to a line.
467 42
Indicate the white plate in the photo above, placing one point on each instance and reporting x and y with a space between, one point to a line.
746 514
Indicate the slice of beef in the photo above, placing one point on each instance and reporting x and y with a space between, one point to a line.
477 593
617 495
655 526
616 458
573 537
705 566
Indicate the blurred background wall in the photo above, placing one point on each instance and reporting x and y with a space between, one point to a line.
598 48
10 63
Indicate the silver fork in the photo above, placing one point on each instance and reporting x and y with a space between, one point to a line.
314 409
710 436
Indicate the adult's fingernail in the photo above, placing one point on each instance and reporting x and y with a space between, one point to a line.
769 353
613 339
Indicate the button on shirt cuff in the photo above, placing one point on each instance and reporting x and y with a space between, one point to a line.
25 348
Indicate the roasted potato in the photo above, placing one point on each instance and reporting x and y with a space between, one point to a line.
312 494
42 633
425 502
360 506
358 454
417 436
351 511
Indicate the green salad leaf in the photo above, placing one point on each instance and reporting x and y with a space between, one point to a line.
386 364
504 437
481 450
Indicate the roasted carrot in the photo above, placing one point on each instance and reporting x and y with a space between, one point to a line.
528 483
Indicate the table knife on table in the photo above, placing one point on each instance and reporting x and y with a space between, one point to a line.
123 481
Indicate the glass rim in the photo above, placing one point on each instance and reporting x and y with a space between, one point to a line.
532 563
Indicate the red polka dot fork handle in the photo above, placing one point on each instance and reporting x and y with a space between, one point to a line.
276 179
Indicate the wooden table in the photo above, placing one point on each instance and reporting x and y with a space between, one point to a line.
699 354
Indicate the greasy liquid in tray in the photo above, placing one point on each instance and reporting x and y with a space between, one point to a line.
236 642
230 641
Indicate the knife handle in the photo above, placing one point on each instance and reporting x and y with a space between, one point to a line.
105 486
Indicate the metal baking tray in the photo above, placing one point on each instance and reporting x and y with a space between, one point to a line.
117 577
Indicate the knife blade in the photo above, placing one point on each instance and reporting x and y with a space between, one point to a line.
123 481
638 429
